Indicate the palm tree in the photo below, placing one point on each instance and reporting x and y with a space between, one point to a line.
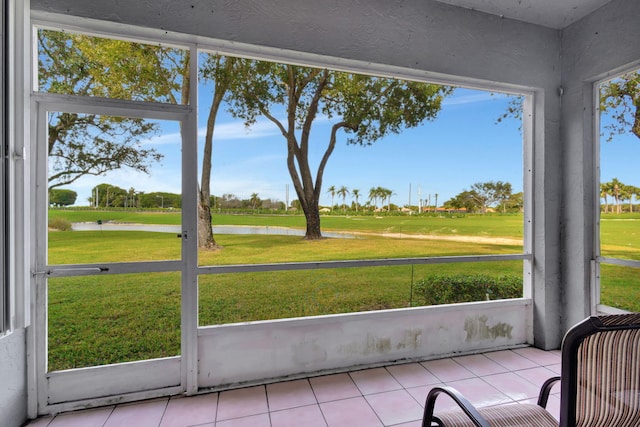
385 193
436 196
255 200
373 196
342 192
382 194
633 192
630 192
332 190
604 193
626 193
389 193
356 193
132 197
616 186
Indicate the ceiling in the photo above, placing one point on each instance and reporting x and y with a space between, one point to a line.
549 13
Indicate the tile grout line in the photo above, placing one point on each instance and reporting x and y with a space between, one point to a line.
373 410
315 396
164 412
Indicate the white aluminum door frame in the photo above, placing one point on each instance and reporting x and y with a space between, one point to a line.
75 388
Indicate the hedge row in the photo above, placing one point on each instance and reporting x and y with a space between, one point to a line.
450 289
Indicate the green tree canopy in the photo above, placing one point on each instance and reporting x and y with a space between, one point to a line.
62 197
75 64
160 199
82 145
620 99
487 194
515 202
468 200
107 195
619 192
365 108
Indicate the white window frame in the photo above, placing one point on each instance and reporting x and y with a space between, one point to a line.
598 259
5 320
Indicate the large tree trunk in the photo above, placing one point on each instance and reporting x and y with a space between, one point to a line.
313 224
205 230
309 201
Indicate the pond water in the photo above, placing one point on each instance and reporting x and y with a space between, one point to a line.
217 229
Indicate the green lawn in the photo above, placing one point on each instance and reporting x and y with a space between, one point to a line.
620 287
620 235
489 225
136 217
110 319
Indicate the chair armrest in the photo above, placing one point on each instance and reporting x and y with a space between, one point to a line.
543 397
462 402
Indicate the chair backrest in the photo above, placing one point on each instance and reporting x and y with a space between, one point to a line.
601 372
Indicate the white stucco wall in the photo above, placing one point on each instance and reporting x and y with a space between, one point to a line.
13 379
602 43
244 353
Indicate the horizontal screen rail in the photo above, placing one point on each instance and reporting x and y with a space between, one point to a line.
618 261
385 262
108 106
68 270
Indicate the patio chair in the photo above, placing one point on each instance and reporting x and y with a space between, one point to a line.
600 384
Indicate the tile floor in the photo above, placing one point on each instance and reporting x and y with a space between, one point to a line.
389 396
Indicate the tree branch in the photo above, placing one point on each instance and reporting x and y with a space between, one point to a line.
325 158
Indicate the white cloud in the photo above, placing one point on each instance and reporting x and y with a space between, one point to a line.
229 131
224 131
237 130
164 139
470 99
265 174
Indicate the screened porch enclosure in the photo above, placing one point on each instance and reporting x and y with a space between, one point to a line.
170 319
120 303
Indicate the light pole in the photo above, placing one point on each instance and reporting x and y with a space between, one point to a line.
161 201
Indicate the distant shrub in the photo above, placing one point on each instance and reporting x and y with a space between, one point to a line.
449 289
59 224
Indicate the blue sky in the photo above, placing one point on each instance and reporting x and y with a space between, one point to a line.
619 158
462 146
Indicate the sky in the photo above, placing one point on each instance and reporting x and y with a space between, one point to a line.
462 146
619 157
